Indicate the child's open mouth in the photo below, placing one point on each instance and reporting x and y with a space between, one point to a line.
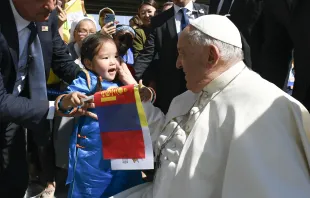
112 70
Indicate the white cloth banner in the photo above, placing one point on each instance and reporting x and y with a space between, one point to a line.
137 164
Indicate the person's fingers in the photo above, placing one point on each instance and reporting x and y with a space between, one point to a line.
111 31
58 8
76 101
88 105
111 27
108 24
80 95
140 83
91 100
142 93
83 112
142 97
91 114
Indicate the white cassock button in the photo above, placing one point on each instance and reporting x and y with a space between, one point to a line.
191 112
165 158
195 110
205 95
200 106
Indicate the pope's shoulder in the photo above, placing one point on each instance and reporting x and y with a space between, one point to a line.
250 89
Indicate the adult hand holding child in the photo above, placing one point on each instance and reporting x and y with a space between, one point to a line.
75 104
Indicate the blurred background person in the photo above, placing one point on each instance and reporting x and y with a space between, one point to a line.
107 29
286 30
135 22
167 5
80 29
123 39
64 8
146 11
246 15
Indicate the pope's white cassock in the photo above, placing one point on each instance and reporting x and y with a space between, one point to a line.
241 137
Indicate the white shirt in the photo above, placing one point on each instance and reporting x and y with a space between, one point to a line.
178 15
23 36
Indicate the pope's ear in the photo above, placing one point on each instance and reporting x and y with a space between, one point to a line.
214 55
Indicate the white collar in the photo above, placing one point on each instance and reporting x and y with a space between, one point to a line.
225 78
21 23
189 6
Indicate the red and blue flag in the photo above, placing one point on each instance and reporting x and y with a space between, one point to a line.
121 119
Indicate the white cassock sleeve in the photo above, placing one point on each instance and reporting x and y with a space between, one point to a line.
155 119
267 159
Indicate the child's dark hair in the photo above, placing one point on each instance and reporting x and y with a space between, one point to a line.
90 47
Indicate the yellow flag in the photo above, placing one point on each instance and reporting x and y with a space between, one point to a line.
74 11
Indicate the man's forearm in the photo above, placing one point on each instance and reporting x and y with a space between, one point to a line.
28 113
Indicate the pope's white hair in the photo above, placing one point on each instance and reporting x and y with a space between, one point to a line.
228 53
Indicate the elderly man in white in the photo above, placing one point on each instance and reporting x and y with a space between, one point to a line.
232 134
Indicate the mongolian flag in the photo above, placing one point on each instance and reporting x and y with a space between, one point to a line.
122 121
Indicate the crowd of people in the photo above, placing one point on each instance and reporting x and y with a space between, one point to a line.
212 80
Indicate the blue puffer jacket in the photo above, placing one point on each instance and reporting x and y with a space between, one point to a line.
89 175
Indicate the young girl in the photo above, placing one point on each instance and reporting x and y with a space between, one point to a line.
89 175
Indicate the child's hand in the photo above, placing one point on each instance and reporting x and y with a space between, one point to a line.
145 93
73 99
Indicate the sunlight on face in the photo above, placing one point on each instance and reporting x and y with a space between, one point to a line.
106 61
146 12
192 59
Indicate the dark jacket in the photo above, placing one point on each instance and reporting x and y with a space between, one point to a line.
28 113
163 40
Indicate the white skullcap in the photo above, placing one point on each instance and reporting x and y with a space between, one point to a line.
218 27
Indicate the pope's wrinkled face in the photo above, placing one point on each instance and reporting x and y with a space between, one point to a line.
34 10
193 59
